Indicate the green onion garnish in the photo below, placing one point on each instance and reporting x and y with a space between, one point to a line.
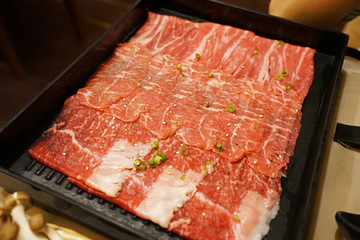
185 151
182 177
138 84
152 163
281 43
138 163
236 217
278 77
197 56
158 159
211 75
162 155
230 109
220 147
179 68
206 171
207 104
254 54
207 162
195 19
284 73
288 86
155 144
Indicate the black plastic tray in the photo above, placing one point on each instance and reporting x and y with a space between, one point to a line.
298 188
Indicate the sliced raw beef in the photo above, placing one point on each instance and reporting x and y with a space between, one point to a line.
274 153
166 187
240 53
224 106
203 127
164 120
117 77
158 82
87 146
230 203
223 47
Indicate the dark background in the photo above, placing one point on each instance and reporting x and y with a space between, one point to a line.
40 38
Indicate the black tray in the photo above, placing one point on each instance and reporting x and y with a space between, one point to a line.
298 188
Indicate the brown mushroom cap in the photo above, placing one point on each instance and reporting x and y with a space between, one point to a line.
18 197
24 199
8 230
36 222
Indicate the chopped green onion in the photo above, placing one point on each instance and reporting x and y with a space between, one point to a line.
206 171
284 73
230 109
182 177
179 68
195 19
236 217
155 144
281 43
162 155
254 54
220 147
197 56
288 86
211 75
152 163
278 77
158 159
138 84
185 151
207 162
207 104
138 163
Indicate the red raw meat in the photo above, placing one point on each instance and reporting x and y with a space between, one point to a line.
235 51
164 120
113 80
159 81
174 82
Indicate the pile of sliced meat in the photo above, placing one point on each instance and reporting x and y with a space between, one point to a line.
190 125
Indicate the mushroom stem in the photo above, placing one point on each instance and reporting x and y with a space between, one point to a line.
25 233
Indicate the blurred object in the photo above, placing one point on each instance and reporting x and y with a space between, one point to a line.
19 217
349 224
348 136
353 30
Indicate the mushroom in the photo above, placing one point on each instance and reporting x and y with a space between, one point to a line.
37 225
19 216
15 224
16 204
8 228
